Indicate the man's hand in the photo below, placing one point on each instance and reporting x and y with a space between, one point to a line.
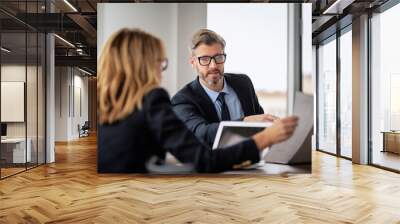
261 118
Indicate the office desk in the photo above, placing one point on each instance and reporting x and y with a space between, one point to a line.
13 150
265 169
391 141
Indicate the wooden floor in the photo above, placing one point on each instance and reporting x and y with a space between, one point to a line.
71 191
387 159
10 171
5 172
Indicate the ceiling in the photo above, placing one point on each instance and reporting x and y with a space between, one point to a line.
75 21
332 15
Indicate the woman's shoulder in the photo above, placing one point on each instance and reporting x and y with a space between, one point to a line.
156 96
159 91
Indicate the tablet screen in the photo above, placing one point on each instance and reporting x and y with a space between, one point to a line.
232 135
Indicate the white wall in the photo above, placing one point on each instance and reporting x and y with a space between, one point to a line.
17 73
173 23
14 72
191 17
61 103
80 103
157 19
62 82
33 125
68 82
82 82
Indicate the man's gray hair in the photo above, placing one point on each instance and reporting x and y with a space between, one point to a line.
206 36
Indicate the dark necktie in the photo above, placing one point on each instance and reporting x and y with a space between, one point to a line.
224 108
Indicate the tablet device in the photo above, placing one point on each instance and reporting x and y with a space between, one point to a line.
233 132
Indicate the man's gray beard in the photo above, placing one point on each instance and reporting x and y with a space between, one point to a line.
209 82
212 82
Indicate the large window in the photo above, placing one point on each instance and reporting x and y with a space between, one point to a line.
346 94
334 98
264 58
327 96
385 89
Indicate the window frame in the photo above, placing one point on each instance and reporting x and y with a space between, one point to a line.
378 10
333 37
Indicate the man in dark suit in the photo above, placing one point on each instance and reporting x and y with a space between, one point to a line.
215 96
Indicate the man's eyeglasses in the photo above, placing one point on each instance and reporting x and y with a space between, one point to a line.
164 64
206 60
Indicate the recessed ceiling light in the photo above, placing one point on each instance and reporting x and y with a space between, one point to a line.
337 7
5 50
84 71
64 40
70 5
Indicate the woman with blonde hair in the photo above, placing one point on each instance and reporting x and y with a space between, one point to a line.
137 121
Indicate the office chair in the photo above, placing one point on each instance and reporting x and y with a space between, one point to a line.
84 130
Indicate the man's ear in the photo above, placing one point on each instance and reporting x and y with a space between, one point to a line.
191 61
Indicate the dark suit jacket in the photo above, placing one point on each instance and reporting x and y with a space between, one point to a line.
125 146
194 107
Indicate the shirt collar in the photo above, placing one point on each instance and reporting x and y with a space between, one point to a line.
214 94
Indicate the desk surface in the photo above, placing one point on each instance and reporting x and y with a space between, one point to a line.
13 140
264 169
275 169
390 132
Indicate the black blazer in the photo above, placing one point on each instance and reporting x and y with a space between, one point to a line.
194 107
125 146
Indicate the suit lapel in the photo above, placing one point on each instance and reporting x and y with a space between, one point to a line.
245 101
205 101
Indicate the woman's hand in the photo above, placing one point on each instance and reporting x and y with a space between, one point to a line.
280 130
